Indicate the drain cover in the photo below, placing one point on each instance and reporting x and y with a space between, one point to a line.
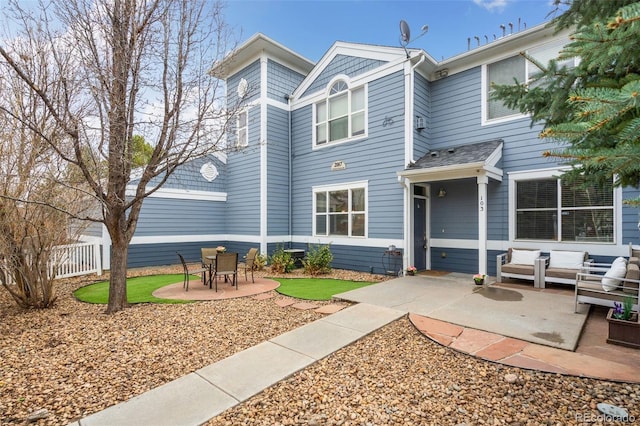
613 411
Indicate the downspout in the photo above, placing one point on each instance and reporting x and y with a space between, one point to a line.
409 127
287 97
407 219
408 202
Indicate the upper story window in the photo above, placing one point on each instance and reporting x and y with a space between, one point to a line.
553 210
340 211
513 68
341 115
241 127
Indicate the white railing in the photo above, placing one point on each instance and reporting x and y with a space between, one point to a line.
73 260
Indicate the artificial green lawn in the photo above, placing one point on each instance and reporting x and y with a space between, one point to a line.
316 288
139 289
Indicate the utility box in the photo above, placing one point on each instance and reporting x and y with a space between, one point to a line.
297 255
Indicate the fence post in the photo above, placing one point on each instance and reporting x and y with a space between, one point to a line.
97 255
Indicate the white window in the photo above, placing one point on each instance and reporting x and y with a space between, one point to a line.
341 116
508 70
340 211
242 124
551 209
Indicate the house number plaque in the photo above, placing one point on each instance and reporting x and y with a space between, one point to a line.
338 165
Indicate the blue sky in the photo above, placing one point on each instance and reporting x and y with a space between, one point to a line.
310 27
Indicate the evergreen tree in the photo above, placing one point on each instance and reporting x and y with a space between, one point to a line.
593 108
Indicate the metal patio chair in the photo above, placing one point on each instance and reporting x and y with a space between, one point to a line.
249 263
227 266
188 271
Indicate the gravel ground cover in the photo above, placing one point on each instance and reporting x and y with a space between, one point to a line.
74 360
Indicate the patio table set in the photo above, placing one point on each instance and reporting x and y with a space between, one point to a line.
217 262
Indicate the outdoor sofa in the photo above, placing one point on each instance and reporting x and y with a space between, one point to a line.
603 284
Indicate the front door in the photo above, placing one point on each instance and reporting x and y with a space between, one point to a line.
420 241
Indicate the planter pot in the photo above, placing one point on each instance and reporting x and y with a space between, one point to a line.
478 281
624 333
411 273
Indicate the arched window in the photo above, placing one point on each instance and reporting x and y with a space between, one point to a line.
342 115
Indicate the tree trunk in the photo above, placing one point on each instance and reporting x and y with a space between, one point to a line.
118 273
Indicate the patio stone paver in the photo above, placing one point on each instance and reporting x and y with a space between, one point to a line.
304 306
519 360
443 339
330 309
472 340
264 296
431 326
285 302
502 349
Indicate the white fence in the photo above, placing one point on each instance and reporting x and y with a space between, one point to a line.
73 260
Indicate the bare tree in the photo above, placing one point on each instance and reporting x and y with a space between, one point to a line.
119 68
31 219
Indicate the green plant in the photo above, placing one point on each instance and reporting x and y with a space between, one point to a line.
281 261
623 310
259 262
318 260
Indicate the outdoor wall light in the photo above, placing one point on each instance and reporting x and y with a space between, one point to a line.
442 193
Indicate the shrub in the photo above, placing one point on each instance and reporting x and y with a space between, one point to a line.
259 262
318 260
281 261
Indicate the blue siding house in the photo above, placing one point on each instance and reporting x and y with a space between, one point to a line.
390 156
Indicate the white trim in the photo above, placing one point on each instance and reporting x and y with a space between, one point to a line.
596 249
365 78
483 182
341 187
408 117
388 54
561 245
263 152
351 86
181 194
272 239
484 121
343 241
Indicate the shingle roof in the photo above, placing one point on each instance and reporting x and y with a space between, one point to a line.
462 154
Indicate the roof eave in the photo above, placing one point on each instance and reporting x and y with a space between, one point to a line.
252 49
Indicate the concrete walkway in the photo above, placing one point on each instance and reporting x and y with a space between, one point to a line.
205 393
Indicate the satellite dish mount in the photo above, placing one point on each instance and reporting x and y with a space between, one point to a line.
405 35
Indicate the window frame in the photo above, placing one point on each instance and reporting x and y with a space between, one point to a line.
350 187
547 174
239 128
330 95
529 70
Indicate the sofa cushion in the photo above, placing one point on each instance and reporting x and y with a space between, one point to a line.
511 268
524 257
633 273
566 259
561 273
613 277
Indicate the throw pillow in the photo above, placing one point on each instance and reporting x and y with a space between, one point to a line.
524 257
566 259
613 277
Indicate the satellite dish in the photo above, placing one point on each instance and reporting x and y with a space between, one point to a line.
405 33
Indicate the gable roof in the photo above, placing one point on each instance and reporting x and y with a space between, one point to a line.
387 54
457 162
252 49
